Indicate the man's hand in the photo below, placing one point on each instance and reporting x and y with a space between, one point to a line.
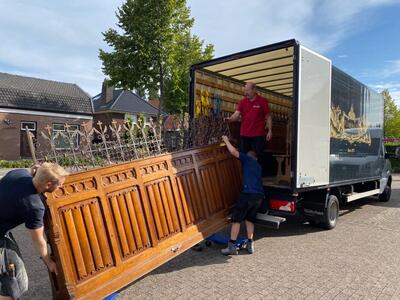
234 117
34 169
51 265
269 135
231 149
41 246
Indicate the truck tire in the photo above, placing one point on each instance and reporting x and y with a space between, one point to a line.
385 196
331 213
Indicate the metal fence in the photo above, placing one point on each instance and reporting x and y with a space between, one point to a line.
101 145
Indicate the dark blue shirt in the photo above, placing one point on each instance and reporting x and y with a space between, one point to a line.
252 176
19 202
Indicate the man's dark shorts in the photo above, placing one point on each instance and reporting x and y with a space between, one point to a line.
15 283
256 143
246 208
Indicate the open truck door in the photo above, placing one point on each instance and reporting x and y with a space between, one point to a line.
313 113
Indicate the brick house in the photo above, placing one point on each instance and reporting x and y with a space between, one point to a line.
36 103
118 105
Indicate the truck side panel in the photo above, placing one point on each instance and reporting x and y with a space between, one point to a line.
356 130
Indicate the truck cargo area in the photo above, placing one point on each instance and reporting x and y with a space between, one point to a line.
220 83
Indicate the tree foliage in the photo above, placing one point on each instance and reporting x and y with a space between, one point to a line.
152 51
189 50
391 116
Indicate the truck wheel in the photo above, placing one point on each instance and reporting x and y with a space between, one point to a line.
331 213
385 196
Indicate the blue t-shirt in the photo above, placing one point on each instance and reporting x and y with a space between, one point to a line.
19 202
252 178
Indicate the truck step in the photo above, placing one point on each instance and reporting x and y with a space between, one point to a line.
355 196
269 220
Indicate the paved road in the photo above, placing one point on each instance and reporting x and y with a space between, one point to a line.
359 259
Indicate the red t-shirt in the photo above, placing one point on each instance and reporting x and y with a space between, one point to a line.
253 116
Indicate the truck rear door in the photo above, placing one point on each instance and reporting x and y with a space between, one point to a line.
313 119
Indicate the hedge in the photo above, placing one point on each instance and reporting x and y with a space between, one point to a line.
10 164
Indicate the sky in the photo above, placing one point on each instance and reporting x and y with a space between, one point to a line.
60 40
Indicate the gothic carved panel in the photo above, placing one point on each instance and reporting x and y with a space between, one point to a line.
117 177
86 238
71 188
130 220
154 168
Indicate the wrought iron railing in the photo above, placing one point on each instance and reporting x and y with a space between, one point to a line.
101 144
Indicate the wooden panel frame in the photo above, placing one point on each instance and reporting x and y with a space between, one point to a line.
109 226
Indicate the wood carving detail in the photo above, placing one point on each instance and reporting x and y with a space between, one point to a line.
128 215
205 155
182 161
147 170
76 187
110 179
87 240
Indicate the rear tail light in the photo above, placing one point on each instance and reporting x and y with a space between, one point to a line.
282 205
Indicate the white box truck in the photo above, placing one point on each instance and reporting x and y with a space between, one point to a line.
327 146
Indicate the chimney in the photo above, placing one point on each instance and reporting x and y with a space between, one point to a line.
107 92
155 102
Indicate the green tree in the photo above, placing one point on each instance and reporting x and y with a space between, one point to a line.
391 116
189 50
148 53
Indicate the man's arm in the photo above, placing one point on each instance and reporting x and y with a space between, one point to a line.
41 247
268 126
231 149
234 117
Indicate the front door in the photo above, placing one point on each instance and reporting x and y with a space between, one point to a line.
24 145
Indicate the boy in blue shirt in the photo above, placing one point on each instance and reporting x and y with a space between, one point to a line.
250 198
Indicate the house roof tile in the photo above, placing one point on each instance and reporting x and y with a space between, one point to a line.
125 102
29 93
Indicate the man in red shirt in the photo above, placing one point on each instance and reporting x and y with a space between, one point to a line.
256 127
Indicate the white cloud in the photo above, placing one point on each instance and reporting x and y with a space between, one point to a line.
232 25
56 40
390 74
59 40
392 68
393 87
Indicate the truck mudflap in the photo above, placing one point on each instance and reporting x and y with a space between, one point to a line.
314 210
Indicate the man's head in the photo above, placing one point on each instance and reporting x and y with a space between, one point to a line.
250 90
49 177
252 154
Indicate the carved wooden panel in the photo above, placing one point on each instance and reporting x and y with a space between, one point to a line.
163 208
88 246
111 225
128 217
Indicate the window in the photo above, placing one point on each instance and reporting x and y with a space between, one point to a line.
131 117
64 134
31 126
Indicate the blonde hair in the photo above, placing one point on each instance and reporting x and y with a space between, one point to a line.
50 172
